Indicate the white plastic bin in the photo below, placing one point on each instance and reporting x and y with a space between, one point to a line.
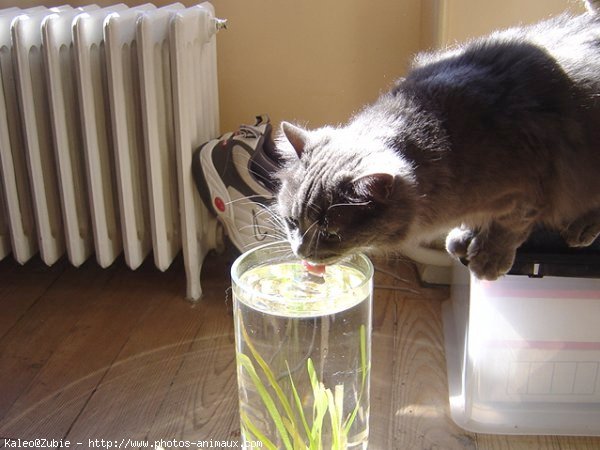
523 354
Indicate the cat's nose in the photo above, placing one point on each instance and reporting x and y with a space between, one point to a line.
301 250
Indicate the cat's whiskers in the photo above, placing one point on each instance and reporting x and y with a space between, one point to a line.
263 209
276 228
272 224
312 207
316 247
265 231
273 218
245 167
266 209
337 205
309 228
274 252
247 198
312 237
281 252
263 227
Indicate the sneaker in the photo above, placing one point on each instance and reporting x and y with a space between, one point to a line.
234 176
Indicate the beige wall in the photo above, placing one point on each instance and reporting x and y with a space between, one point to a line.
319 61
465 19
313 61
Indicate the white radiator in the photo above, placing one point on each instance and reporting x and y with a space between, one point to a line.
100 111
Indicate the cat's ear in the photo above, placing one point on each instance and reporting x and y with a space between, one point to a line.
377 187
296 136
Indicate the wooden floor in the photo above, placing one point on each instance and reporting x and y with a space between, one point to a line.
91 354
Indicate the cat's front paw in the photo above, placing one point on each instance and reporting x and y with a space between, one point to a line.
583 231
458 241
487 259
489 262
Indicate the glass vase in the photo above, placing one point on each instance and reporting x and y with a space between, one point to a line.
303 348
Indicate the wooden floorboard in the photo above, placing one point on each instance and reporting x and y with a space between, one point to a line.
420 419
382 363
17 295
32 340
202 401
118 354
125 400
98 324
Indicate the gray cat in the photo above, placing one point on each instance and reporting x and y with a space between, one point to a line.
481 143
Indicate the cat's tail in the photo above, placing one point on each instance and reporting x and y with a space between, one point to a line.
592 6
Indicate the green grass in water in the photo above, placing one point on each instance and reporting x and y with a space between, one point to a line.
289 419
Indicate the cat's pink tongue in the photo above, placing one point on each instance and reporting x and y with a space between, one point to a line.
315 269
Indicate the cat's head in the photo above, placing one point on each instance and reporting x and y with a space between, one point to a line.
340 192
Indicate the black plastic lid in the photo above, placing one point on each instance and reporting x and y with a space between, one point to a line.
546 254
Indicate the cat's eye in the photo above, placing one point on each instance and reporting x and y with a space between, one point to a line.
330 235
291 223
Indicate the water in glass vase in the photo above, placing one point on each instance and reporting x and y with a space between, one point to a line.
303 353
